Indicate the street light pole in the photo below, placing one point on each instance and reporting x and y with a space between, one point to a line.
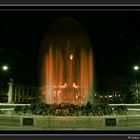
3 83
136 68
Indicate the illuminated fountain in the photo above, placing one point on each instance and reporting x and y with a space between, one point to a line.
67 68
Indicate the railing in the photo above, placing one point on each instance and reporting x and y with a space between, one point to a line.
22 94
125 105
132 108
5 104
3 94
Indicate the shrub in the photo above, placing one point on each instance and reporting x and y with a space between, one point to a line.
70 109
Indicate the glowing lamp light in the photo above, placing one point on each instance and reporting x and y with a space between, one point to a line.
71 56
110 96
136 68
5 68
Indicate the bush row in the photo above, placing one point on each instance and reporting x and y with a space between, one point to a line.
65 109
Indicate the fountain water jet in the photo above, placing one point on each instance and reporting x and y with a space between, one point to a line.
67 68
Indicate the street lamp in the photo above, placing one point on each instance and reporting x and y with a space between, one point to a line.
4 73
5 68
136 68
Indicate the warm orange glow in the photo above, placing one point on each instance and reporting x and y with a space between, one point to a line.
71 56
64 80
71 77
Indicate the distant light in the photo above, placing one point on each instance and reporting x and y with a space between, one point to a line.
65 85
136 68
100 96
71 56
110 96
74 85
5 68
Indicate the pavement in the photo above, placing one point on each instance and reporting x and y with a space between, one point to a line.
2 127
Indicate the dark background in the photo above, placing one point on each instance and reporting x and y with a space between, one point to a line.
68 137
69 2
115 37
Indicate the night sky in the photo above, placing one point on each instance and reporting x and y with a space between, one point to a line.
114 35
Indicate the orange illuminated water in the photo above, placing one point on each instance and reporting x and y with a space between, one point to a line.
67 72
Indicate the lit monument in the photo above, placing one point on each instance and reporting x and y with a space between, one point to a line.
67 68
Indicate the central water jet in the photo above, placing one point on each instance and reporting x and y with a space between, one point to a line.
67 64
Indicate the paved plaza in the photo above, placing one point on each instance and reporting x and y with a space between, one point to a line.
35 128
